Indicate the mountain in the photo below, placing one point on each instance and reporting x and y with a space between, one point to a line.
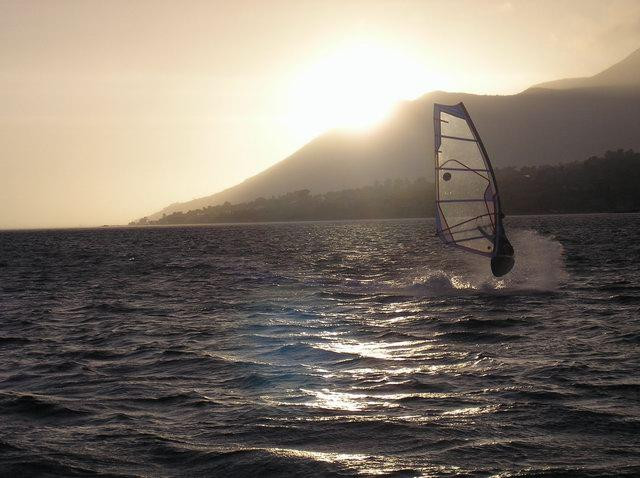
625 74
556 122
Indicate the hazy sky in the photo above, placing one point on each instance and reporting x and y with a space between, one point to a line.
111 110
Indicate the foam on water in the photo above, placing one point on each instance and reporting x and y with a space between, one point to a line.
539 267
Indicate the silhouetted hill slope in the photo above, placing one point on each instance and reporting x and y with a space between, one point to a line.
625 74
537 126
599 184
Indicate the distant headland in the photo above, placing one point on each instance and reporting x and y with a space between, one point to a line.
599 184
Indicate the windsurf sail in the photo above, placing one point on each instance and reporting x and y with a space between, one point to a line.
468 211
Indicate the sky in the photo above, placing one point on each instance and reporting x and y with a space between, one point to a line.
111 110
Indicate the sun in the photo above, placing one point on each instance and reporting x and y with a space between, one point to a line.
354 87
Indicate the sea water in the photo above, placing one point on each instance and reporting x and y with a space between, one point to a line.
320 349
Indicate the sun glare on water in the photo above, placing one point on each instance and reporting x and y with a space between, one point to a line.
354 88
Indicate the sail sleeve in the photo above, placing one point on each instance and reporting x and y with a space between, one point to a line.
467 204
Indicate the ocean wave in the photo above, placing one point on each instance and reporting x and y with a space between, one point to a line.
477 337
14 341
37 406
473 323
319 350
302 351
620 471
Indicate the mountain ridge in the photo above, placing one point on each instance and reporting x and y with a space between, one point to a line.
540 125
625 73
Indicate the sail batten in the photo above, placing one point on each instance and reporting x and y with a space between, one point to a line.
463 169
455 137
459 200
466 189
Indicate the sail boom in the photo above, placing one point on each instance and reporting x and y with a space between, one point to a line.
464 222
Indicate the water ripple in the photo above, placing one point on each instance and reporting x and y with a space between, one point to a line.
319 349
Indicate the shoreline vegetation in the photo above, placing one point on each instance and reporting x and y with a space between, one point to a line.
596 185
